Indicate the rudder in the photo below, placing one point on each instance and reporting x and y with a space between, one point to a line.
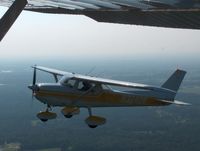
174 81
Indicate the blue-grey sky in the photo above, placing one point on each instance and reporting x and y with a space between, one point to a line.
45 35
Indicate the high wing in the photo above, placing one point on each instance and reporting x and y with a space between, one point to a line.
118 83
160 13
102 80
53 71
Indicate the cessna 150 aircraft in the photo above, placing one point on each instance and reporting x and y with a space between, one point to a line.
160 13
73 91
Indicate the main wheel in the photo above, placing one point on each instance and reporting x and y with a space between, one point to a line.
68 115
92 126
44 120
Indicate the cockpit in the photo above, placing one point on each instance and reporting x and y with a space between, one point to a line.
80 85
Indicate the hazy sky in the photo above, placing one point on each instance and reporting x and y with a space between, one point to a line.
44 35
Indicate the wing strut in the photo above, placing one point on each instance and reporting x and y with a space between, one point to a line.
10 16
55 77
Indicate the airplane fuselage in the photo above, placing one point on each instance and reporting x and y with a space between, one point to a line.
58 95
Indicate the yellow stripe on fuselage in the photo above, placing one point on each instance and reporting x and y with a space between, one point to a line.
102 97
116 99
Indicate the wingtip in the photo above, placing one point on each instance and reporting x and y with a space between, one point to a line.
180 70
34 66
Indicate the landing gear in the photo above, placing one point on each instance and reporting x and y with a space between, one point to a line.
94 121
92 126
45 116
68 116
68 112
44 120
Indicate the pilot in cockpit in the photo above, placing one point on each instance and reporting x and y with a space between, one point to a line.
86 86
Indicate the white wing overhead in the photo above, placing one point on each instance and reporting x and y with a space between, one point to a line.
160 13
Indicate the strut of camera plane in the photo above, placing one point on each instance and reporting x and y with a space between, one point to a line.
73 91
160 13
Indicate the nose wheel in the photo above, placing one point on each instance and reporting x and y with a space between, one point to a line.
46 115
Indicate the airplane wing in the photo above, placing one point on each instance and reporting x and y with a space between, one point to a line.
160 13
119 83
53 71
101 80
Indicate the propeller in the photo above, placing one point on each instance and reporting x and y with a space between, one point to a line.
34 76
33 87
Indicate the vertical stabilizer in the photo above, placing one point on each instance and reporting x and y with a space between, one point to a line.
174 81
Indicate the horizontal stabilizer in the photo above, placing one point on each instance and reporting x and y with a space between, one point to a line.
176 102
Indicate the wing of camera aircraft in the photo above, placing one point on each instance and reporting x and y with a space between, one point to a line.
160 13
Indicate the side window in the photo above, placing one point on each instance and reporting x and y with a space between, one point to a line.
84 85
70 83
80 85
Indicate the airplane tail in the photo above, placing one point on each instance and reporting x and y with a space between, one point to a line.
174 81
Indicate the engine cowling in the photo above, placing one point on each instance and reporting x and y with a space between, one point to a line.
68 112
94 121
45 116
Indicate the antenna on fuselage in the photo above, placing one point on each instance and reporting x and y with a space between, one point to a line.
91 70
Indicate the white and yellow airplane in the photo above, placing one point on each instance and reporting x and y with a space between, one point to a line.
73 91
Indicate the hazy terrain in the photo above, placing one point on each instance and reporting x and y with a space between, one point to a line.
174 128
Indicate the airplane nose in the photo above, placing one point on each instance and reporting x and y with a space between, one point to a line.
34 87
